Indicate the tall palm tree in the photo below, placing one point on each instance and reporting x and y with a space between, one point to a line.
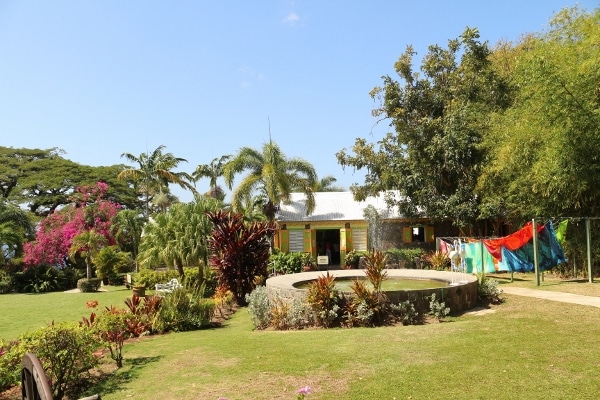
213 172
154 173
87 244
127 228
271 174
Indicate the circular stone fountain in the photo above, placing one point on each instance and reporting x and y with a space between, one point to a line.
458 296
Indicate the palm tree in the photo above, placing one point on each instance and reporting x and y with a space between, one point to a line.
154 173
87 244
15 226
272 174
213 171
127 228
326 184
179 238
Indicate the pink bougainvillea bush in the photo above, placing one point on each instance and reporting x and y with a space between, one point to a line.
55 233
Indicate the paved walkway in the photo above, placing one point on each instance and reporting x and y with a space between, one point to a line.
554 296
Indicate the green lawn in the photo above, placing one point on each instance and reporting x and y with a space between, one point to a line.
526 349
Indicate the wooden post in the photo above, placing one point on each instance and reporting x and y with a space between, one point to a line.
535 253
588 234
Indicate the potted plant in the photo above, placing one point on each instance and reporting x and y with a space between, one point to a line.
308 262
139 284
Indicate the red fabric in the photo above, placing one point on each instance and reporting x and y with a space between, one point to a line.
511 242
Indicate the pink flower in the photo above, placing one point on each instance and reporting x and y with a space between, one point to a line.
303 391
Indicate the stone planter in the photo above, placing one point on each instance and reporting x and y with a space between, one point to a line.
139 290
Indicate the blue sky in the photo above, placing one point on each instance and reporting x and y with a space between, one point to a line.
205 78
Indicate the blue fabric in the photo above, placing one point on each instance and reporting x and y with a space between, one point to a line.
550 253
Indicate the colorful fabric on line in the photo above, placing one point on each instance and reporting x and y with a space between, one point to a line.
511 242
561 232
550 253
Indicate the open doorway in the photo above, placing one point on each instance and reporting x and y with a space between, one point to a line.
329 239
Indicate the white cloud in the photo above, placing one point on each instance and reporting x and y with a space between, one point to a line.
291 19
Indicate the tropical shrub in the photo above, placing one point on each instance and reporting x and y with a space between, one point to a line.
323 300
240 251
38 279
5 282
353 258
407 255
11 355
370 304
89 285
149 278
183 310
286 263
437 260
55 233
406 313
259 307
438 309
488 290
110 261
65 350
113 327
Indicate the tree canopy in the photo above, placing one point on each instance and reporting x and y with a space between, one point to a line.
433 156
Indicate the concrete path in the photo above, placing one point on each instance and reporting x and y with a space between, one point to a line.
554 296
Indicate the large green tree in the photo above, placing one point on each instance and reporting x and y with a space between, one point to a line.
270 174
43 180
433 157
544 151
154 173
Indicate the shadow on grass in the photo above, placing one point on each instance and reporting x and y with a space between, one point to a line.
113 382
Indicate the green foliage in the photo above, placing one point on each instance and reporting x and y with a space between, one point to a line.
5 282
110 261
438 309
37 279
433 157
179 237
353 258
370 306
184 310
86 285
112 327
323 300
405 312
437 260
259 307
149 278
272 174
154 173
547 140
407 255
11 355
65 351
489 291
287 263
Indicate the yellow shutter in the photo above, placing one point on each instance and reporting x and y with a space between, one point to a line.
406 234
429 234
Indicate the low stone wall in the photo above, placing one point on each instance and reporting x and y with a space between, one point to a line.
458 295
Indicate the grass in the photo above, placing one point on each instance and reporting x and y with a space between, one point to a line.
527 349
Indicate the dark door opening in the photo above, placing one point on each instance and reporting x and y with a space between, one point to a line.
328 243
